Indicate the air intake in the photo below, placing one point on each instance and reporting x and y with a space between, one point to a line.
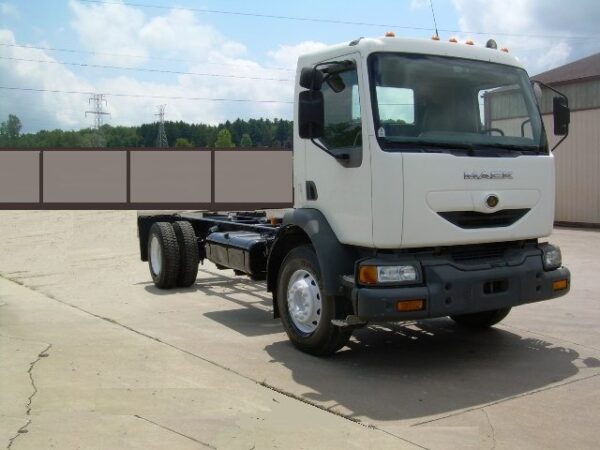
470 220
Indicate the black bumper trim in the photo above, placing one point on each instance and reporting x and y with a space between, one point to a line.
449 290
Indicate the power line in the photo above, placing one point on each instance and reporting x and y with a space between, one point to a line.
155 97
141 69
332 21
122 55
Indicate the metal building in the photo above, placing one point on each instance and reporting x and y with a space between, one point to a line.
578 158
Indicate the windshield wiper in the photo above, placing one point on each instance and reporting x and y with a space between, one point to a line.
479 149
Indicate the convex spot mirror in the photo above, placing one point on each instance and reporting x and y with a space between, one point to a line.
311 78
336 83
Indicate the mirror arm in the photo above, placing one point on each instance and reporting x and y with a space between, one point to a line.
567 104
341 156
559 142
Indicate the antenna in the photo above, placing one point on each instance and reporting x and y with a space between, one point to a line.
434 21
161 139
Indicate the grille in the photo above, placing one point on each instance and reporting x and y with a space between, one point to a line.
474 219
465 253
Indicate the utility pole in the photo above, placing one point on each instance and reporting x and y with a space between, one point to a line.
161 139
98 101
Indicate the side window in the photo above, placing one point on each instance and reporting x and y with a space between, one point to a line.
343 124
502 112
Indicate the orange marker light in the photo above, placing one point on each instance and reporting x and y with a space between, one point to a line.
453 40
410 305
390 34
504 49
435 38
469 42
367 274
560 285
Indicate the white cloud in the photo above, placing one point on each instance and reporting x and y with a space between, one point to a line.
287 55
8 10
418 4
534 19
109 29
43 109
119 29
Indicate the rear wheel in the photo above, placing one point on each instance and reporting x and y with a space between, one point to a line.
163 255
306 313
189 254
481 320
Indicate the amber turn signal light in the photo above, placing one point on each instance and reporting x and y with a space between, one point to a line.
367 274
410 305
560 285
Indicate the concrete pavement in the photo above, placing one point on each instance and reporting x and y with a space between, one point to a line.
134 367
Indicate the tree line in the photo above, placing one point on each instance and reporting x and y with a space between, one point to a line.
239 133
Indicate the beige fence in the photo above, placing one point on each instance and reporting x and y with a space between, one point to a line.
205 179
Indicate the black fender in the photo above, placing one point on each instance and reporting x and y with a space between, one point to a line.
303 226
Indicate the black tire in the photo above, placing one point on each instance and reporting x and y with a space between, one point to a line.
166 278
482 320
189 254
326 339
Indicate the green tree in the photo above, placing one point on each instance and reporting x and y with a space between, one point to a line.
224 139
246 141
13 127
183 143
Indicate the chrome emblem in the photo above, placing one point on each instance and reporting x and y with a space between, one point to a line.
491 175
492 201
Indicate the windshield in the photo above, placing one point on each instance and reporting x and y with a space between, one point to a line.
438 102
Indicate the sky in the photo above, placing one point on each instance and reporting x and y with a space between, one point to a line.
187 53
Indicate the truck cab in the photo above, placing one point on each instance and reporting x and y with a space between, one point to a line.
424 187
428 165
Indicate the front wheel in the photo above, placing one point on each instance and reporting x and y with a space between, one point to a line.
481 320
306 313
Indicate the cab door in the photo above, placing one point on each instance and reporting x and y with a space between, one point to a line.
341 188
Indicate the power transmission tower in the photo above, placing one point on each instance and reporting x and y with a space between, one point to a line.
98 101
161 139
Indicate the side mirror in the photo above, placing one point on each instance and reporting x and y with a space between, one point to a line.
311 114
562 116
311 78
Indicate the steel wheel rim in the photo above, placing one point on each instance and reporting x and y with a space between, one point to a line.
304 301
155 255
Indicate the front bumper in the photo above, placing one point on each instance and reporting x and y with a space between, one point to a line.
450 289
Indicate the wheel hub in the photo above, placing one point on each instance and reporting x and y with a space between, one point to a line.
155 255
304 301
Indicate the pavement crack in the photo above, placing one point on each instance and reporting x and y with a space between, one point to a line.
216 364
25 428
20 431
493 430
164 427
42 354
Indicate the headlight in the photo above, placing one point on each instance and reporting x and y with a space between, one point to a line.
387 274
552 257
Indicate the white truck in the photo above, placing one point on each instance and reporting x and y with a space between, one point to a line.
423 187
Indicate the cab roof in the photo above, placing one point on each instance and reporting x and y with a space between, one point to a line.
366 46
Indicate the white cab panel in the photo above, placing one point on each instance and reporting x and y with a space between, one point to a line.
436 183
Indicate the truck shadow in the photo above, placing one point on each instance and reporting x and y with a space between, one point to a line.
253 315
397 372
